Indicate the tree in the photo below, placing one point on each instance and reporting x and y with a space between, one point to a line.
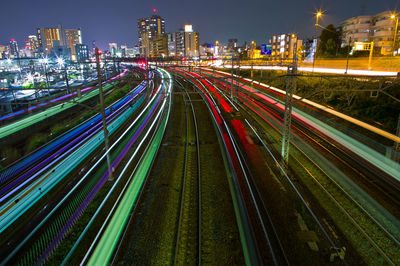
329 42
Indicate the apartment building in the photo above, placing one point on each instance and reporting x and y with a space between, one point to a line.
378 28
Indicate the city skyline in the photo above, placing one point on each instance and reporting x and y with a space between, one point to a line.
259 20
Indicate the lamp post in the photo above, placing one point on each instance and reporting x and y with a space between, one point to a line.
294 40
395 31
61 62
317 15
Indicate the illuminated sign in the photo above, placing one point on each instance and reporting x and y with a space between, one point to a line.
188 28
362 46
266 49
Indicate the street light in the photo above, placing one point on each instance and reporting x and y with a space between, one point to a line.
61 62
317 15
395 30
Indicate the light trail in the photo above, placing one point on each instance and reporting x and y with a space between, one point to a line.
59 172
64 142
322 70
87 175
377 159
328 110
118 216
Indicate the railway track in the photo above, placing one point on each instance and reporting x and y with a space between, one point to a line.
261 224
188 235
186 214
379 235
51 223
377 226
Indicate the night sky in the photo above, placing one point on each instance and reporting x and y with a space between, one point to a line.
115 20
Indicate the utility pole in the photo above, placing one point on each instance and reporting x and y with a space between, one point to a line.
348 54
103 114
317 15
232 78
371 51
251 60
200 64
237 74
66 78
290 89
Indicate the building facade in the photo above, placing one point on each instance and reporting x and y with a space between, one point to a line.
184 43
47 36
284 46
191 42
232 45
172 44
14 49
3 51
149 28
32 44
378 28
159 46
207 49
60 51
72 38
113 48
81 52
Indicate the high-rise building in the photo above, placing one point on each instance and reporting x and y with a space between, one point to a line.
32 43
81 52
159 46
378 28
172 44
113 48
123 50
46 37
191 42
14 50
184 43
145 44
72 38
148 28
136 50
176 44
